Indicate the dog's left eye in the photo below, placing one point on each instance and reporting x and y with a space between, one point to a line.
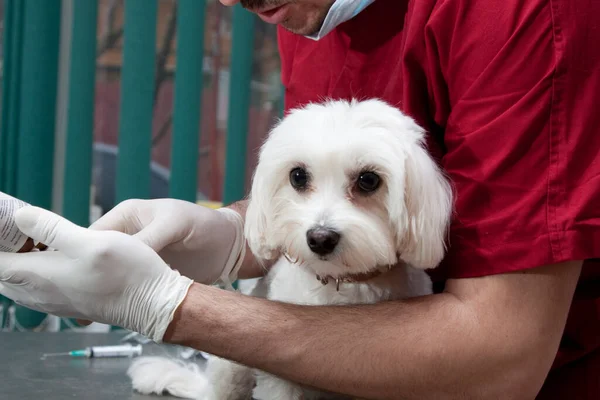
299 178
368 182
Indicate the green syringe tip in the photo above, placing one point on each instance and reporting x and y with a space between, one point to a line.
78 353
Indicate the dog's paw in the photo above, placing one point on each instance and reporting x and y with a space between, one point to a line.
160 375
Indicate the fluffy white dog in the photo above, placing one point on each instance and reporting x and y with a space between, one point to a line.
349 199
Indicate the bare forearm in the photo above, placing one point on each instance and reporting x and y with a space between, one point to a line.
429 347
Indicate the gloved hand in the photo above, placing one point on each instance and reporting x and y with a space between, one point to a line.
108 277
204 244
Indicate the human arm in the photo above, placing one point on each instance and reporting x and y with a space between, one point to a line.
490 337
201 243
103 276
496 334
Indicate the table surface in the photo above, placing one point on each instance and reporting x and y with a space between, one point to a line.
25 376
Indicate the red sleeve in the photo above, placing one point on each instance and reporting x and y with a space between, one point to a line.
521 84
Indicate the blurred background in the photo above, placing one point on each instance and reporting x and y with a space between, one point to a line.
105 100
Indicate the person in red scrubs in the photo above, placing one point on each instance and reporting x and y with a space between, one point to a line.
509 93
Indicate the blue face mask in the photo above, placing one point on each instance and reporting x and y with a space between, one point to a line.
341 11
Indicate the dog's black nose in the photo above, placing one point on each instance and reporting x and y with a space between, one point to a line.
322 241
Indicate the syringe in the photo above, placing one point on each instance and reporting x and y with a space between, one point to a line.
126 350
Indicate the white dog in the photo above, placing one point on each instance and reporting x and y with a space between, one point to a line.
349 199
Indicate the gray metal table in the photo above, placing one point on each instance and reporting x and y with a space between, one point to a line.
24 376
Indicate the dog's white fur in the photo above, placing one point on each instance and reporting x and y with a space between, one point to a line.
402 224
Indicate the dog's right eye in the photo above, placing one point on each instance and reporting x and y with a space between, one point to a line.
299 178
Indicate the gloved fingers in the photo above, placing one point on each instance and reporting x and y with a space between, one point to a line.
11 270
39 301
158 234
18 269
19 295
52 230
124 217
136 217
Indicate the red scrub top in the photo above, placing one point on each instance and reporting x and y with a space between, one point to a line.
509 92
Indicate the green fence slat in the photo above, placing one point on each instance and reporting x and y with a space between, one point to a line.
242 49
13 40
187 103
15 97
37 110
137 94
7 48
80 117
28 319
4 304
80 113
281 105
39 75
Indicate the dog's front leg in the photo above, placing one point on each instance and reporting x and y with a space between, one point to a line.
228 380
269 387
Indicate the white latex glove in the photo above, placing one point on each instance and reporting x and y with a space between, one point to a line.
204 244
108 277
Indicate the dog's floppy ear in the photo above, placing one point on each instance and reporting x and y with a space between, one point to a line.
423 216
258 227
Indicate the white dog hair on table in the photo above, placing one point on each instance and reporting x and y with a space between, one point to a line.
347 196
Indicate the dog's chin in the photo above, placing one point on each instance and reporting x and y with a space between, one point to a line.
326 266
336 266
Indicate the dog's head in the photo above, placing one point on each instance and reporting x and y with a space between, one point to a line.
346 187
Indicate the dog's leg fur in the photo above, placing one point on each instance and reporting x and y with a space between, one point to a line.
222 380
270 387
158 375
228 380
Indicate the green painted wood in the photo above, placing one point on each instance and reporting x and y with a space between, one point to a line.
80 113
80 118
28 319
187 105
12 41
36 113
6 44
4 304
13 47
282 102
39 75
239 104
137 94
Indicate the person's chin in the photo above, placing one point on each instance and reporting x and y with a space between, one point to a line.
299 31
303 22
304 29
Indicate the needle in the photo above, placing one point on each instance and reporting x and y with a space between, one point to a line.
55 354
